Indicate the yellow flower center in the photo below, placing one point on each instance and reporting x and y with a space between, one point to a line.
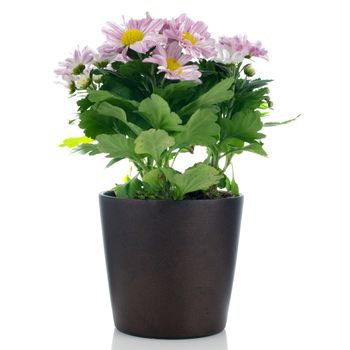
131 36
189 36
172 63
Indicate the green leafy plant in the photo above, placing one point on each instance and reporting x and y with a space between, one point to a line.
149 101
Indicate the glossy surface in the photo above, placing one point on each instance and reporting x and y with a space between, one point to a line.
170 264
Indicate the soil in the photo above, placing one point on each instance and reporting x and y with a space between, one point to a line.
197 195
208 195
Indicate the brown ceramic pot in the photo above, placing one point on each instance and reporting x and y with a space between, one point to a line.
170 264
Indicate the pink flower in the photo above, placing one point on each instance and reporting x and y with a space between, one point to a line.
192 36
138 35
237 48
78 64
172 62
256 50
232 50
109 53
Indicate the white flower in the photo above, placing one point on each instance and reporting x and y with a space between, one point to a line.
82 82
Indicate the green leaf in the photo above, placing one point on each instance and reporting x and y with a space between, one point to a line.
113 161
72 142
226 145
219 93
250 85
170 173
128 190
116 65
134 69
281 123
116 146
244 125
256 148
84 104
157 112
112 82
234 142
199 177
152 180
154 143
103 95
250 94
87 148
249 100
201 129
134 55
94 124
178 90
109 110
223 182
234 187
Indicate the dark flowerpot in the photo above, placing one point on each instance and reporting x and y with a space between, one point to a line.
170 264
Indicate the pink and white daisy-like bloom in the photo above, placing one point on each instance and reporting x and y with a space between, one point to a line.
76 65
256 50
237 48
232 50
138 35
192 36
109 53
172 62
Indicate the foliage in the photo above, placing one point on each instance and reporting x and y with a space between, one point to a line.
138 110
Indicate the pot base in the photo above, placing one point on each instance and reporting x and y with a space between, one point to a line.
209 334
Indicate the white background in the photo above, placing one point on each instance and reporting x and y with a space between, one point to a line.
292 288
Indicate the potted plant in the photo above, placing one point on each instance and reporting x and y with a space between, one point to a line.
156 89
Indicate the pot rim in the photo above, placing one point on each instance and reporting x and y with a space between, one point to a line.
104 194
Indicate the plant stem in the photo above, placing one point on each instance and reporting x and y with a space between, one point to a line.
141 167
162 82
234 185
176 154
229 157
214 157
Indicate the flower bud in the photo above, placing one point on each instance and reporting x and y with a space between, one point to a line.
83 82
71 87
97 78
101 64
78 69
249 70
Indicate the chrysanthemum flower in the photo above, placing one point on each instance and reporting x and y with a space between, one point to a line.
192 36
172 62
232 50
138 35
256 50
82 82
110 53
237 48
76 65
